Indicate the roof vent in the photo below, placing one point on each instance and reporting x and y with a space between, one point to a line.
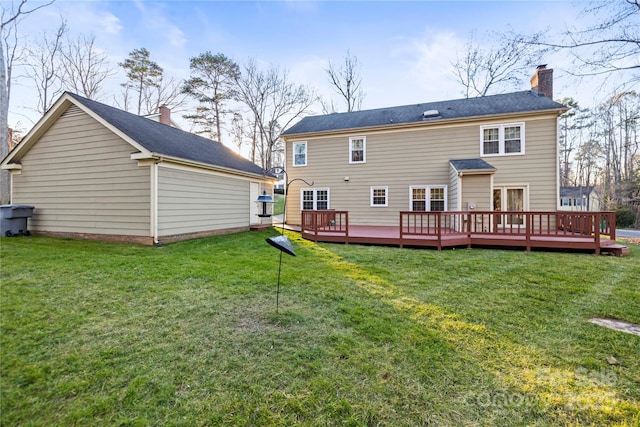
430 113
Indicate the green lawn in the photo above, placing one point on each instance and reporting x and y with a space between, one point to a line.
278 205
187 334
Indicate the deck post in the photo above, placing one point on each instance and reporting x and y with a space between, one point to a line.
596 228
529 226
470 217
439 217
611 223
401 243
346 219
315 226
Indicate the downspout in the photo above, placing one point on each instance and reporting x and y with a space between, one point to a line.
154 202
558 202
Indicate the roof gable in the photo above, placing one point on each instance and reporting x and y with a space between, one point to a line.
161 139
144 134
517 102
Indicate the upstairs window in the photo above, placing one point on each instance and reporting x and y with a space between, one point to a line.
357 149
499 140
299 154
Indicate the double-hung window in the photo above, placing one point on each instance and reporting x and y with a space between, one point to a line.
314 198
502 140
379 196
357 149
428 198
299 154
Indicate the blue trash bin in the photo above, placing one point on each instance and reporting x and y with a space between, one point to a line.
13 219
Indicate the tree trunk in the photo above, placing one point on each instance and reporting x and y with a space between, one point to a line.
5 184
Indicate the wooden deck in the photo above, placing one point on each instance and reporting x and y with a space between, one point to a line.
585 231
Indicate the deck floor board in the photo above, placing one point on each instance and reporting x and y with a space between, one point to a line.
390 235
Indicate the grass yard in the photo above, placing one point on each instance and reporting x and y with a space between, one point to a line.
187 334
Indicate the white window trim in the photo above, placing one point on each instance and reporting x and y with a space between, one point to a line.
428 196
505 187
501 127
315 197
364 149
386 196
293 153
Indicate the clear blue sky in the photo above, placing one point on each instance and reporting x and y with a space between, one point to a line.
405 47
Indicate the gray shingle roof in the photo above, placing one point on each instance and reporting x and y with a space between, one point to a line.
516 102
462 165
575 191
169 141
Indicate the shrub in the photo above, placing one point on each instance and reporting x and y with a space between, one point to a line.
625 217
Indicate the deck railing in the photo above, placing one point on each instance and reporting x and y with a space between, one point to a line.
528 225
326 222
587 228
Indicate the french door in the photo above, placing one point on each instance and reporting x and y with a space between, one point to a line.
509 199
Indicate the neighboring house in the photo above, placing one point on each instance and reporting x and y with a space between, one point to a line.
579 199
495 152
94 171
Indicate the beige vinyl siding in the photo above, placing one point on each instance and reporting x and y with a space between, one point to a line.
453 190
81 179
539 168
476 190
193 202
419 156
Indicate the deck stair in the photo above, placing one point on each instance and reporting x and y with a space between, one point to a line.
615 249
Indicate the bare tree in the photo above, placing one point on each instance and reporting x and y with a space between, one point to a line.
9 20
85 67
212 84
619 121
346 81
481 71
610 46
237 130
275 103
569 124
163 91
43 67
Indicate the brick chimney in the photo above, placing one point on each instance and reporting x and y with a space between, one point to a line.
542 81
165 115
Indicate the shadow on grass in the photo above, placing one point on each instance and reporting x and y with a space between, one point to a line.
528 379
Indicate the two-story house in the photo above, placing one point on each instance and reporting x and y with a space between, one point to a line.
493 153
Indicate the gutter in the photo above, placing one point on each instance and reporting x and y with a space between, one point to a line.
477 172
163 158
409 125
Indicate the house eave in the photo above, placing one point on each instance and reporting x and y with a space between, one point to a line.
11 166
477 172
423 124
176 160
